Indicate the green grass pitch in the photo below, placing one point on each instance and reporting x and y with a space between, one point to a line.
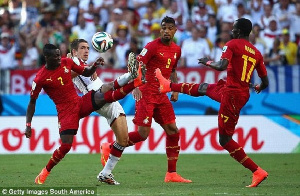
212 174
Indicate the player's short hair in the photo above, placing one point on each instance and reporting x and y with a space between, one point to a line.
244 25
48 49
75 44
168 19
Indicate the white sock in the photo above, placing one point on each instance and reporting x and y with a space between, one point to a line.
110 165
124 79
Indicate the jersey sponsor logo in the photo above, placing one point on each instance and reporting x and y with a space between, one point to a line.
49 79
144 51
162 54
224 48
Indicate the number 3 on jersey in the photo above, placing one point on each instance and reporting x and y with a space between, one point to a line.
246 76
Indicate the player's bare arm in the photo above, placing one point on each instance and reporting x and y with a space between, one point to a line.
29 115
174 79
90 70
219 65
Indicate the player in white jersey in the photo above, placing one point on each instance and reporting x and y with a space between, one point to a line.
113 112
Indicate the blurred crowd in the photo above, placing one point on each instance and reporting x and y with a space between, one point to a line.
204 26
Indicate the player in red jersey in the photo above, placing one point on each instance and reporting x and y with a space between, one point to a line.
55 78
161 53
240 58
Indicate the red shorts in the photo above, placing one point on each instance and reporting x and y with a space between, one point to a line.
157 106
233 100
70 113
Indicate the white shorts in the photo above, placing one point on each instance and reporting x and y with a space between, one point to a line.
111 111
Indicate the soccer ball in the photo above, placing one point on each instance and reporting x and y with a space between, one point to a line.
102 42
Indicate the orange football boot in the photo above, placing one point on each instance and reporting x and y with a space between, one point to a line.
174 177
140 79
164 84
258 176
41 178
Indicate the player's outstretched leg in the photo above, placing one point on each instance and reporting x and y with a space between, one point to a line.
164 84
41 178
258 176
104 150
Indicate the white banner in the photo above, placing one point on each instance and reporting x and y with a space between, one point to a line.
199 134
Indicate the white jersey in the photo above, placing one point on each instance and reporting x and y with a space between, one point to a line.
110 111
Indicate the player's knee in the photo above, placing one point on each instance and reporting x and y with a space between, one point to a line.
144 135
202 88
224 139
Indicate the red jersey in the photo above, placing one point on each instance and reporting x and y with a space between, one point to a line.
157 55
57 83
243 58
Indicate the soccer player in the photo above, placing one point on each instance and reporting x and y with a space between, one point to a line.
240 58
160 53
56 80
113 112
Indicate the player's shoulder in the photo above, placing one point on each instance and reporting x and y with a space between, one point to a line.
66 60
233 42
154 43
175 46
69 62
40 73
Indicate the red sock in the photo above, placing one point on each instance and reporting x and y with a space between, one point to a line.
238 153
116 149
186 88
172 150
58 155
116 85
111 96
134 137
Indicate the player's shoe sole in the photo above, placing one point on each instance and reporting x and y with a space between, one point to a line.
174 177
132 65
258 177
164 84
41 178
109 179
105 151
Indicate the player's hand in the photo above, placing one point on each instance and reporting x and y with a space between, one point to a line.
94 76
69 55
137 94
28 132
255 87
99 61
174 96
203 60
